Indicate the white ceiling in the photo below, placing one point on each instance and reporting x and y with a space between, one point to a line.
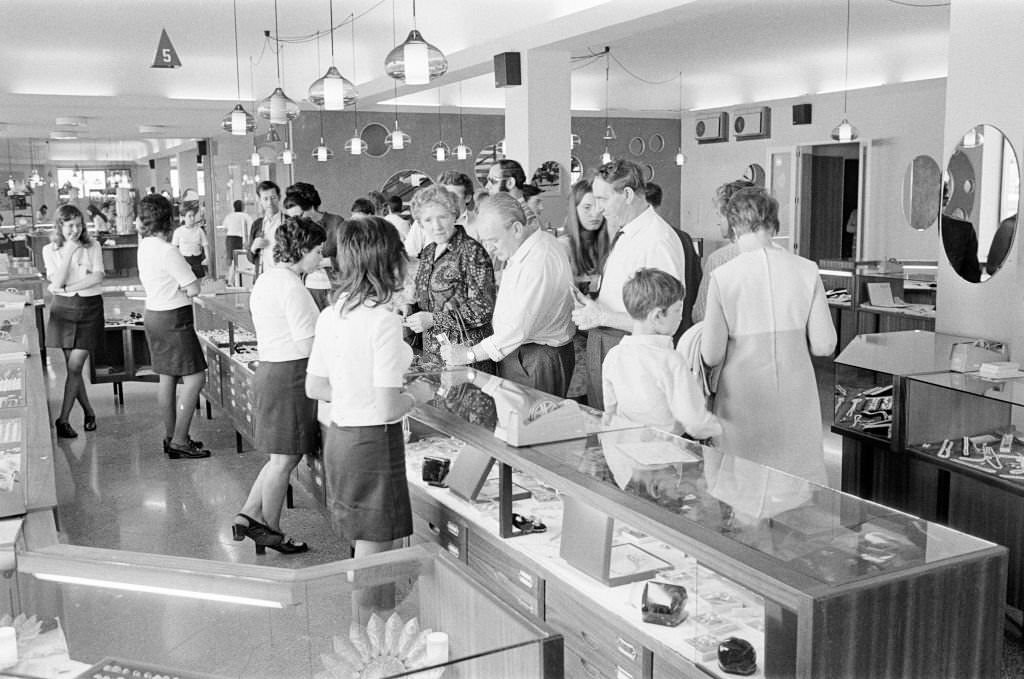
92 58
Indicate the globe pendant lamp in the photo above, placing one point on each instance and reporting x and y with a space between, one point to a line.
398 139
277 106
680 157
415 61
254 157
333 91
238 121
322 153
440 150
462 151
287 155
606 157
844 131
609 132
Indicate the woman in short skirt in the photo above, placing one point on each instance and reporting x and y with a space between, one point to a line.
170 330
358 363
74 266
284 317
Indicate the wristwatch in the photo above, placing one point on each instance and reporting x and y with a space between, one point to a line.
471 355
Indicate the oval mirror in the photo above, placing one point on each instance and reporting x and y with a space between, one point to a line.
575 169
637 146
376 137
648 172
404 183
980 195
488 156
547 177
922 189
755 175
656 143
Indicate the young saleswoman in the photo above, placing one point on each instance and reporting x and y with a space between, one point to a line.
74 266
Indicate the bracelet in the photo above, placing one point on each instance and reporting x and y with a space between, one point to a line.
471 355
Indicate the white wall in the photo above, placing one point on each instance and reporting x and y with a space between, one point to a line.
985 85
902 121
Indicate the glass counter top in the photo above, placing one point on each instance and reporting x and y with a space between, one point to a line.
901 353
234 306
1009 391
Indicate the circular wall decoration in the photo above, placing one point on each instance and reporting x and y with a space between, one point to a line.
637 146
656 143
376 137
648 173
575 169
404 183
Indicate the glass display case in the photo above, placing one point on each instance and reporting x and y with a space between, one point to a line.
655 556
896 296
414 609
225 330
124 355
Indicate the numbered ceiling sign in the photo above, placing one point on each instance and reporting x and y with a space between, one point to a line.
166 55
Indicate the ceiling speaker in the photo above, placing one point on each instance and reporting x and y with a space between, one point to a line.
711 127
752 124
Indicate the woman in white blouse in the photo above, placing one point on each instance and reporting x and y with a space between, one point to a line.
74 266
284 317
170 328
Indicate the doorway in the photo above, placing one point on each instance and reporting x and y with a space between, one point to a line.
829 190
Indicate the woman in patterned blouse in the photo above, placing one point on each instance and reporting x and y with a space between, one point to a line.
455 287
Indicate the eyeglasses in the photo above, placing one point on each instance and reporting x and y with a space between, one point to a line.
494 180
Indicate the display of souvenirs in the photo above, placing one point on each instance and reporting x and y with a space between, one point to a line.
1000 452
12 386
868 410
219 337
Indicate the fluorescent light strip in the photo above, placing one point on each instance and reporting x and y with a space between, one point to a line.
836 272
149 589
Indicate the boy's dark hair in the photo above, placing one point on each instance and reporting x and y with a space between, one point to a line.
395 205
649 289
653 193
363 205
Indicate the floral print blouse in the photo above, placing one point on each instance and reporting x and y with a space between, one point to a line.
458 288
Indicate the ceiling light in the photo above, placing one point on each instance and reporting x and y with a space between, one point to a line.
680 157
254 157
63 134
152 129
973 139
71 121
321 153
272 136
606 157
238 121
277 106
355 144
415 61
441 151
398 139
462 151
333 91
609 133
574 141
287 155
844 131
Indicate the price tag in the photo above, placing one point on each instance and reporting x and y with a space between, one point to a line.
166 55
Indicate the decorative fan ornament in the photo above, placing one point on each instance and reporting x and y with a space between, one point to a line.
383 649
25 628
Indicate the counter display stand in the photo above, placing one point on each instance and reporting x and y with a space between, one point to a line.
225 330
912 290
969 431
818 582
124 356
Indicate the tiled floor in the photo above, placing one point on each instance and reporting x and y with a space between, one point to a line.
117 490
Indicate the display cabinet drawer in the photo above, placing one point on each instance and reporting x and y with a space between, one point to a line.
614 652
437 523
524 586
579 667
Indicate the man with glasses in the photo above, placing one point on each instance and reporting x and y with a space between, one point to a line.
506 176
641 239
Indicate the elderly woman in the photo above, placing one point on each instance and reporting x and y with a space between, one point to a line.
723 254
766 316
455 288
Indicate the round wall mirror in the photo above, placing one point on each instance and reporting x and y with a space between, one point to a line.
755 175
637 146
648 172
376 137
656 143
404 183
547 177
575 169
980 195
487 156
922 189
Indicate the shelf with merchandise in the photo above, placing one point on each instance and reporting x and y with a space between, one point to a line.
782 563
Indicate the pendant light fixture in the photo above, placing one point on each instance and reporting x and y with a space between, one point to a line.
355 145
239 121
333 91
322 153
415 61
277 106
609 133
680 156
272 136
844 131
462 151
254 157
440 150
35 179
287 155
397 139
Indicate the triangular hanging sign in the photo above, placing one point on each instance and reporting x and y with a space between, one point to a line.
166 55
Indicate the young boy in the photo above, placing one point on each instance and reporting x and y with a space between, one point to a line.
644 378
191 240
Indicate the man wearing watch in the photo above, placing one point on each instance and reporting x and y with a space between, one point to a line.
533 329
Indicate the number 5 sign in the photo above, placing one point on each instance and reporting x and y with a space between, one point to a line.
166 56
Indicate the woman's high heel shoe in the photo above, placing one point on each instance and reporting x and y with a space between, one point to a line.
249 529
64 430
280 543
90 423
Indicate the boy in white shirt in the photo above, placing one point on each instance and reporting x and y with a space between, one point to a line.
644 378
190 239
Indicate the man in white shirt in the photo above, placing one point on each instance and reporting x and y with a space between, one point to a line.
533 330
641 239
263 229
394 216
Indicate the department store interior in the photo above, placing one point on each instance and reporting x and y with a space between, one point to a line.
569 544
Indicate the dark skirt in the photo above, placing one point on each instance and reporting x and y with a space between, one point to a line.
76 322
173 346
367 492
195 262
285 418
232 243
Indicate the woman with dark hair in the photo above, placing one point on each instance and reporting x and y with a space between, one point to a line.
302 199
170 328
766 316
284 317
74 266
357 364
455 288
586 231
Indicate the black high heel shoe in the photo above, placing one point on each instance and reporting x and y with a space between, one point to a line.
279 543
89 423
64 430
249 529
